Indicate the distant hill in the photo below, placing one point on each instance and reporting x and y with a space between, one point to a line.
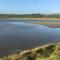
21 16
30 16
53 16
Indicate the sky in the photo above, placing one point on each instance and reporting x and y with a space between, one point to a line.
29 6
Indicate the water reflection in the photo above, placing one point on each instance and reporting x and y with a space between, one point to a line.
20 35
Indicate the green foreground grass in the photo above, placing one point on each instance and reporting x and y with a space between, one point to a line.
46 52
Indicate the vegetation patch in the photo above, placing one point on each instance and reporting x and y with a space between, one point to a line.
46 52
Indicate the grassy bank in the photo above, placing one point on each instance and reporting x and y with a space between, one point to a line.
46 52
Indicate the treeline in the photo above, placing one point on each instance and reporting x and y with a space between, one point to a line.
21 16
29 16
53 16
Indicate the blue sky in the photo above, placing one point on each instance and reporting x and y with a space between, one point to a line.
29 6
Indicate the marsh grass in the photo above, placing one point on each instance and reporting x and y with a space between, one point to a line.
46 52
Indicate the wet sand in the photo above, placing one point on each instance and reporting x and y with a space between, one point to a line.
46 18
41 18
49 24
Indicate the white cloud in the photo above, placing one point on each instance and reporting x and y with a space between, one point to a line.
54 12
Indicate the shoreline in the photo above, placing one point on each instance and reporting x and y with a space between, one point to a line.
49 24
45 52
34 18
44 18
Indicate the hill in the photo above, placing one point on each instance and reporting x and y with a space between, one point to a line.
29 15
21 16
53 16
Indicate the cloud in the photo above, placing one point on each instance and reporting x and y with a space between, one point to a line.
54 12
